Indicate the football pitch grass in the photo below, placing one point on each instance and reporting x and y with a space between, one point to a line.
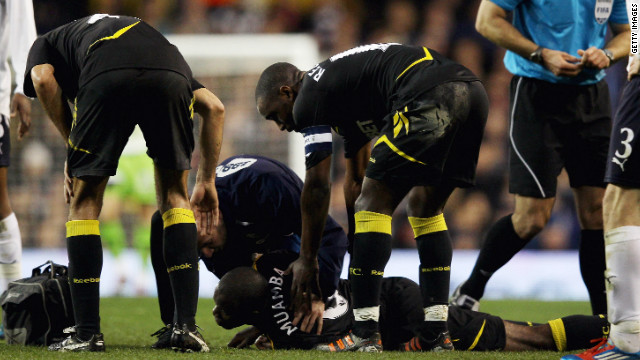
128 322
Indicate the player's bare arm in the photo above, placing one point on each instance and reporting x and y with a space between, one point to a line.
50 95
314 202
354 175
21 107
492 23
204 199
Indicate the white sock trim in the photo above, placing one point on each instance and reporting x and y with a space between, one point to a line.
436 313
367 313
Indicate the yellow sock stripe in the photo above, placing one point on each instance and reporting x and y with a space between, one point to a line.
368 221
178 216
477 339
384 139
423 226
116 35
83 227
425 58
559 334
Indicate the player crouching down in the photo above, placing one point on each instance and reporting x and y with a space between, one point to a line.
260 296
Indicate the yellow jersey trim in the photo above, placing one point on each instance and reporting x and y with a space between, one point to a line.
193 101
83 227
423 226
400 120
178 216
477 339
559 334
427 56
116 35
368 221
384 139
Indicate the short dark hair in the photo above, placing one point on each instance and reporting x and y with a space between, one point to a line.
276 75
241 291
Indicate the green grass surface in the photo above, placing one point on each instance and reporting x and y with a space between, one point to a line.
128 322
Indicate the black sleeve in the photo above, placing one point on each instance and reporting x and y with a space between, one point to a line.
195 84
41 52
276 322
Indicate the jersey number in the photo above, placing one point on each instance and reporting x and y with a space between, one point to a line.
97 17
621 158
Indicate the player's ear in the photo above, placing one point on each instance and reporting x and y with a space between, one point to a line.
286 91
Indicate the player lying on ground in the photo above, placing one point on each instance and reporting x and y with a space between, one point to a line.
262 298
259 202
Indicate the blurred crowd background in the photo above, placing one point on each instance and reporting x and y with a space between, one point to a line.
447 26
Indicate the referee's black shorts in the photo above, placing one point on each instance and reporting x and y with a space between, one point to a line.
109 107
433 140
554 126
623 165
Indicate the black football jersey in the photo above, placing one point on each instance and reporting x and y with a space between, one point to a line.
352 92
260 203
276 319
86 47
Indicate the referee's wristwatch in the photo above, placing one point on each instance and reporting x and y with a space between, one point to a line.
609 54
536 55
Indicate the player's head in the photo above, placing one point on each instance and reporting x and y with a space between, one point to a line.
239 296
276 92
214 242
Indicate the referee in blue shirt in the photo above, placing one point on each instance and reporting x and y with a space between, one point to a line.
560 117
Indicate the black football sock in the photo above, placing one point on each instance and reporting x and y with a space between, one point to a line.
181 258
592 267
371 252
435 250
163 284
578 332
500 245
84 249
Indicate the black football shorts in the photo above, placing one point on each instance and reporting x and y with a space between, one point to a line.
475 331
109 107
433 140
554 126
623 163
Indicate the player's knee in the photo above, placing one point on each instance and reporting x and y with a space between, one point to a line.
530 225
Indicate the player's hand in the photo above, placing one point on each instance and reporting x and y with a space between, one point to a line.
245 338
21 107
68 184
633 68
312 318
561 63
204 203
263 343
304 285
594 57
